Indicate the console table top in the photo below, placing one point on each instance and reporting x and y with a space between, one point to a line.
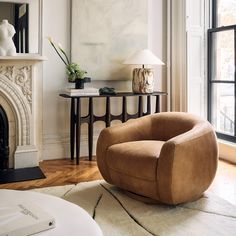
119 94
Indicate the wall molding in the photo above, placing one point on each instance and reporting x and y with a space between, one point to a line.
177 55
57 146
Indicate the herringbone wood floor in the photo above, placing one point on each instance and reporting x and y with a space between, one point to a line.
61 172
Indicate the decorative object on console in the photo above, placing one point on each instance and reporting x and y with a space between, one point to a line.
75 74
82 92
107 91
143 77
7 46
79 83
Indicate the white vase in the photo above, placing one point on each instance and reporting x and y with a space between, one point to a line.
7 46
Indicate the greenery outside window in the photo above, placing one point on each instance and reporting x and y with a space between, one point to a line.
221 69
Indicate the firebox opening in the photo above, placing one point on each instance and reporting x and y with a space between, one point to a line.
4 140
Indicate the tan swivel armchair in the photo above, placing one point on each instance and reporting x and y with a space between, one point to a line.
169 157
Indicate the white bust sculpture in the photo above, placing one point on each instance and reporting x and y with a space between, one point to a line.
7 31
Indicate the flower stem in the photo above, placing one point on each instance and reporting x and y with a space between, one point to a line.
59 54
67 59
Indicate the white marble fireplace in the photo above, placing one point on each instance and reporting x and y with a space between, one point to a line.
21 98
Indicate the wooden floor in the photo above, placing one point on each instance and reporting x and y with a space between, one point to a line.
224 184
61 172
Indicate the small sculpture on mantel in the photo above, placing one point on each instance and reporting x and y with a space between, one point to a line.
7 46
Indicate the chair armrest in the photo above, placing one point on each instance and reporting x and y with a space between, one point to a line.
133 130
187 164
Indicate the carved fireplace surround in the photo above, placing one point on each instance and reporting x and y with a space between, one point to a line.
21 98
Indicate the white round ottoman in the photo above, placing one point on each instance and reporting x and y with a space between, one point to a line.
70 219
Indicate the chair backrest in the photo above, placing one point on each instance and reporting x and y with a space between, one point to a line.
167 125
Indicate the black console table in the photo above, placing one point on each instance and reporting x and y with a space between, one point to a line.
76 120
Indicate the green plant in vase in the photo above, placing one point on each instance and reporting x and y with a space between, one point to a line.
73 70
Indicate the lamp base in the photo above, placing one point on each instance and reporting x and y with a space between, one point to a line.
142 80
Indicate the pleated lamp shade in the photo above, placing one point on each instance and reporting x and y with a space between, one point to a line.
143 57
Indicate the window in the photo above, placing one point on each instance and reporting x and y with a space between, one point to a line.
221 69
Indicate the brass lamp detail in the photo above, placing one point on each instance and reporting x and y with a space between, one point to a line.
143 78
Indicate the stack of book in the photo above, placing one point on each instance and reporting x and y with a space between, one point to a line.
82 92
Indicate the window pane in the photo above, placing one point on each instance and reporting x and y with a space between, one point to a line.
223 108
222 57
226 12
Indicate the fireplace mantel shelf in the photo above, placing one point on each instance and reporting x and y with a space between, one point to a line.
24 57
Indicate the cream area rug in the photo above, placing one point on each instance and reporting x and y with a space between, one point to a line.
118 214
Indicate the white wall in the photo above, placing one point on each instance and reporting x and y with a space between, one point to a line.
56 23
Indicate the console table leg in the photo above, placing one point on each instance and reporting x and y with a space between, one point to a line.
157 104
72 128
108 112
78 131
90 126
149 104
140 106
124 109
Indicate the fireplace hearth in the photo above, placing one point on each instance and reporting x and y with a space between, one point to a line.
23 174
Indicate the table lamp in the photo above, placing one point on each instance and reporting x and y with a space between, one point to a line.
143 77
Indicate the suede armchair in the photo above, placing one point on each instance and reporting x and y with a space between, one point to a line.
170 157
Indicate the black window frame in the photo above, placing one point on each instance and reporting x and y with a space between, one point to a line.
210 32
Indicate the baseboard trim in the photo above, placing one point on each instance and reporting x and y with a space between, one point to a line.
58 146
227 151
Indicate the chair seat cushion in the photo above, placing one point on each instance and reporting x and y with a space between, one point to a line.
137 159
